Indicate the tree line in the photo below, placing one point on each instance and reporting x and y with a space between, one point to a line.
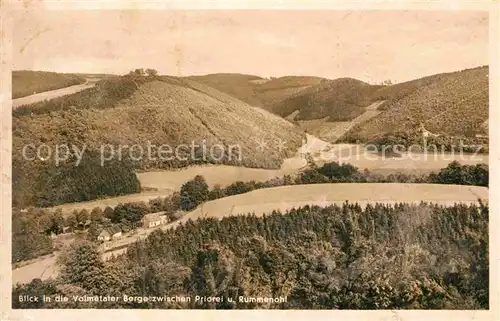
197 191
443 143
401 256
43 184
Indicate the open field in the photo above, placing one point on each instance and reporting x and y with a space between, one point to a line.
47 95
214 174
284 198
353 154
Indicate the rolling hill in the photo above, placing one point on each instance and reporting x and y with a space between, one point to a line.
341 99
147 111
237 85
257 91
27 82
450 104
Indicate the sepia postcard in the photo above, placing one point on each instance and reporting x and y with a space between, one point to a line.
178 159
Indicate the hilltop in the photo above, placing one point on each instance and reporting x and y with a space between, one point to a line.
139 111
448 104
255 90
28 82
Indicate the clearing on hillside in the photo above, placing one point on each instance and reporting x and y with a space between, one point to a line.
332 131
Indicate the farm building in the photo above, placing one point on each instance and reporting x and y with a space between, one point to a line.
154 219
109 233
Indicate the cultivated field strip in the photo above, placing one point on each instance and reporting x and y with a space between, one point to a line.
287 197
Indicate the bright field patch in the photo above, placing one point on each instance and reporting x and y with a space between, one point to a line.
287 197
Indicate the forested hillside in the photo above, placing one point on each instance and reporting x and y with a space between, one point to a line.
196 123
383 257
340 99
258 91
450 104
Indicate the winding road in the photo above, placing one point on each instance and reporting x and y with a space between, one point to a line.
47 95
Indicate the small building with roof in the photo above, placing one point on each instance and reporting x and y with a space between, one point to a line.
109 233
154 219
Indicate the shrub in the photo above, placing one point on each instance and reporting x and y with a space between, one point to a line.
193 193
458 174
339 172
131 212
239 188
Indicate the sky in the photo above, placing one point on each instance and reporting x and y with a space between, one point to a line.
372 46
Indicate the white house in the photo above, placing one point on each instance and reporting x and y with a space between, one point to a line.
154 219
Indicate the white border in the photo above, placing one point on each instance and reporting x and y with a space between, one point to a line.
6 313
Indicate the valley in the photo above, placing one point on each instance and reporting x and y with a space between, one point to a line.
28 82
289 159
331 131
162 183
158 109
